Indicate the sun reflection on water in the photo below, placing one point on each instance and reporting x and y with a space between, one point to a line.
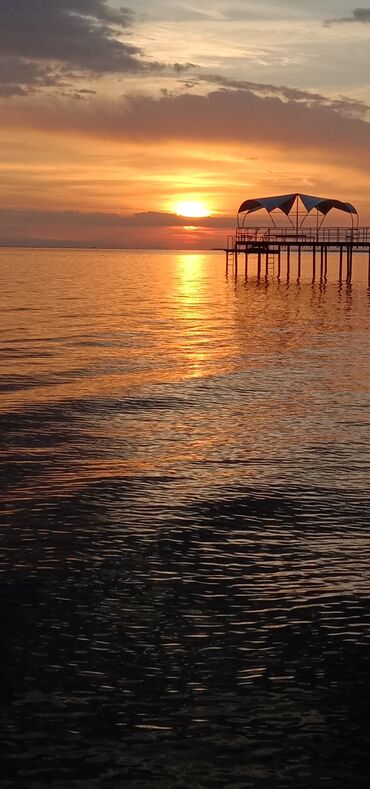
190 296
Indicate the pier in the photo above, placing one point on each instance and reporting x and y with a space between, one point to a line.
278 246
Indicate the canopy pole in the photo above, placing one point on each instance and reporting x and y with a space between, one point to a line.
296 218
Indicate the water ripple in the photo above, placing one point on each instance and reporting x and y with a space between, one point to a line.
185 545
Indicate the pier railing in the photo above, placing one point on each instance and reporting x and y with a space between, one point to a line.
309 235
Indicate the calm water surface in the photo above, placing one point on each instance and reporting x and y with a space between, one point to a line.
185 542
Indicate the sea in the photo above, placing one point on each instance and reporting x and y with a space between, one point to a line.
185 523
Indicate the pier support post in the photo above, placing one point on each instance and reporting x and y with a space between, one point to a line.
349 263
369 269
264 248
227 261
258 266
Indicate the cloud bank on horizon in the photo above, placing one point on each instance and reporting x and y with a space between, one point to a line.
120 111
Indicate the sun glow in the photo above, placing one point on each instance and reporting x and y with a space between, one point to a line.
192 208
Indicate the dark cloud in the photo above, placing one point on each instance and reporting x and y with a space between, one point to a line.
7 91
163 219
86 220
75 33
361 15
224 115
19 77
357 15
347 106
326 132
147 229
179 68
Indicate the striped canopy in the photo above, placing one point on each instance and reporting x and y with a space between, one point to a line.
285 203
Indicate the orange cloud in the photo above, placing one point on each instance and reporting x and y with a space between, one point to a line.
107 173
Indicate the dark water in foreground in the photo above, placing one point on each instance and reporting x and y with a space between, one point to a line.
185 555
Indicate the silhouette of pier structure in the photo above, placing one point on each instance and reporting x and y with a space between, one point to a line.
296 225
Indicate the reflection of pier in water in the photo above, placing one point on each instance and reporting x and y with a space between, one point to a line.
303 231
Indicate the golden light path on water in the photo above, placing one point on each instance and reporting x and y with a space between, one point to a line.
189 297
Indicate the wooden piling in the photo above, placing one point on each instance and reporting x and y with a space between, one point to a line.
325 261
349 272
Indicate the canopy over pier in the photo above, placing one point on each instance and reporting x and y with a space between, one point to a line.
296 208
296 222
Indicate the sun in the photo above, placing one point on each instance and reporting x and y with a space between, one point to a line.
192 208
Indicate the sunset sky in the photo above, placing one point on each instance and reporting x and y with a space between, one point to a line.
114 119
